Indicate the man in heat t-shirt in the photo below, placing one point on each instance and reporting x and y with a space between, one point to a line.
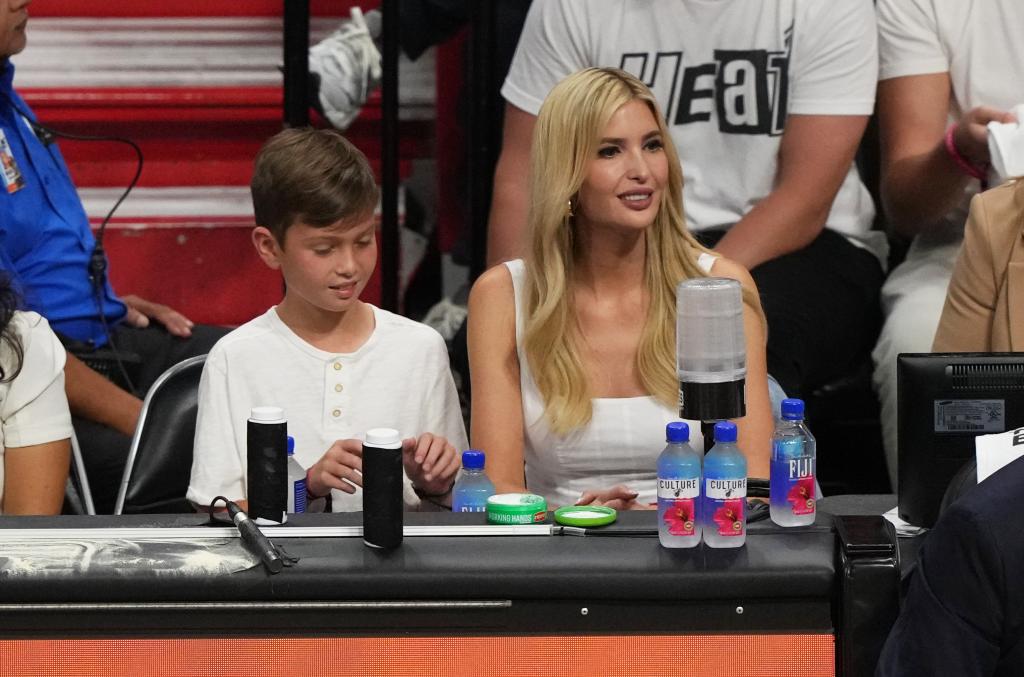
767 101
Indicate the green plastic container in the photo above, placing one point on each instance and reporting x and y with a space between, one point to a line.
585 515
516 509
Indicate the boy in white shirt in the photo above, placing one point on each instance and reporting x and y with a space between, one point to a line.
337 366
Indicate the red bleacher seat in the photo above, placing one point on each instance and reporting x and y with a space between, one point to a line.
198 86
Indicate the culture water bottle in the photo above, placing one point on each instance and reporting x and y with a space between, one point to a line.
679 471
724 515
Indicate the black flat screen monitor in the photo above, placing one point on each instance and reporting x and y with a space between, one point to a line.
944 401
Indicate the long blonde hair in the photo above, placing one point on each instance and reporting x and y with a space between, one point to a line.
566 136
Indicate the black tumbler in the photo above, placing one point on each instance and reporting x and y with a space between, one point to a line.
382 488
267 458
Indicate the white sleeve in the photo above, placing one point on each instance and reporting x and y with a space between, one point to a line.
35 409
442 411
553 44
908 39
217 462
835 67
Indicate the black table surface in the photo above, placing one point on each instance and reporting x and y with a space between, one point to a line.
796 563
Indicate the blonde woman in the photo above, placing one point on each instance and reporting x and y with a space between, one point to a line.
572 351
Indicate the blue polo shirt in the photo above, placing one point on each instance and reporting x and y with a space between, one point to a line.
45 240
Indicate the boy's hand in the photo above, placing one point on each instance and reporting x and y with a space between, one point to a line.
341 467
431 463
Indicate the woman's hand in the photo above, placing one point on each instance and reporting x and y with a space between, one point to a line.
619 497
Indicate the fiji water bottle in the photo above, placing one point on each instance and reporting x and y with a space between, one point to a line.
296 481
793 460
472 488
725 491
678 489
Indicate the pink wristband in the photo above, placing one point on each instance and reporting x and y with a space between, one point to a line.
963 163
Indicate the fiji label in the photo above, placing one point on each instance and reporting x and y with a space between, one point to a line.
792 483
299 494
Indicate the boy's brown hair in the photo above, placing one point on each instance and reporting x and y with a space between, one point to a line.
313 176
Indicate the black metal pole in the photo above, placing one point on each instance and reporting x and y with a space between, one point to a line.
481 145
390 234
296 63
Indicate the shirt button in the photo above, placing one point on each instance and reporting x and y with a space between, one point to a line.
338 388
336 413
337 366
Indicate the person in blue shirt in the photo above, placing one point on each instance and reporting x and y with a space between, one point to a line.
46 246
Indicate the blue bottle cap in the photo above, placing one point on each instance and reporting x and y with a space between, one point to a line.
677 431
792 409
725 431
291 445
473 459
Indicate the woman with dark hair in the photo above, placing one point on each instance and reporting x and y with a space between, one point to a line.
35 424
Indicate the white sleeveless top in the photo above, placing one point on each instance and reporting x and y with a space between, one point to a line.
620 445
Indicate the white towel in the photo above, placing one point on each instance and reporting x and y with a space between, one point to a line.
1006 148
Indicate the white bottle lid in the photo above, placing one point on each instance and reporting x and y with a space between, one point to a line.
383 438
267 414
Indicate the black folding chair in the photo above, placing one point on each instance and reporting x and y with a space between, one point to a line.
159 463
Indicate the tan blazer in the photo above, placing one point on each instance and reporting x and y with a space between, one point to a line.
984 309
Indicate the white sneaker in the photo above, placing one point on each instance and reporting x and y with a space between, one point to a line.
348 64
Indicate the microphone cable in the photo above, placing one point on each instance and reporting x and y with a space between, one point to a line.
97 268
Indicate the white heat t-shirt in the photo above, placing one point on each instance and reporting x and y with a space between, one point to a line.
726 73
980 43
398 379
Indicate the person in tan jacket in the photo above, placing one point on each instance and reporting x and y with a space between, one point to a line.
984 309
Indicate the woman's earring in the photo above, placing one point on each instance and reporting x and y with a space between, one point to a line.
572 212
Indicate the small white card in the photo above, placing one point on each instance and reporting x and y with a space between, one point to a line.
995 451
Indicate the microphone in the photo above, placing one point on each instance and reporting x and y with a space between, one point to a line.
711 351
44 134
254 540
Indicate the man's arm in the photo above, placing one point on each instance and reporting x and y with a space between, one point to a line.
814 158
92 397
506 228
920 180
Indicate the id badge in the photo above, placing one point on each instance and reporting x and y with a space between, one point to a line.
11 173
